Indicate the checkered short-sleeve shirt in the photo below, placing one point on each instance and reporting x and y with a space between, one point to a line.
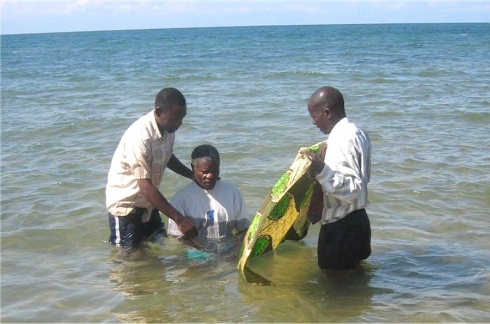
142 153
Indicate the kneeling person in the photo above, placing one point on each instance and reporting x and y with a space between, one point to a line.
218 205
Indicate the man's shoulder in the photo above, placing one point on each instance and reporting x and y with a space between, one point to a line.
142 120
228 186
143 127
349 127
186 191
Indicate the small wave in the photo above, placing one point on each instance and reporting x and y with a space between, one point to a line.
189 77
477 117
297 73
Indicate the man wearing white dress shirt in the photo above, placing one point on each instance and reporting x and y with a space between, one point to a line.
343 173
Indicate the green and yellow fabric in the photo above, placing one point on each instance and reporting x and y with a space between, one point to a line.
285 214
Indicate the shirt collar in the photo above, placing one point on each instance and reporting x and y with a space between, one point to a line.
154 125
339 125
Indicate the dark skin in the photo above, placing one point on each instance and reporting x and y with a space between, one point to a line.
206 174
326 108
169 121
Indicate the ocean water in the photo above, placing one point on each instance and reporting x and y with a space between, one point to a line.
421 91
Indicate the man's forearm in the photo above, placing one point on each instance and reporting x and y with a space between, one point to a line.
154 196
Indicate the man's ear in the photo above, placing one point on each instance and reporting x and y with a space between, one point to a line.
158 111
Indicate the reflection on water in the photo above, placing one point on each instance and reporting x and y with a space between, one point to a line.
192 279
165 282
302 286
171 282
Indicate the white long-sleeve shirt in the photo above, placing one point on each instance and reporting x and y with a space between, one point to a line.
346 174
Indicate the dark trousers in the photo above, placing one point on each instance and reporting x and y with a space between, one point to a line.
344 243
130 230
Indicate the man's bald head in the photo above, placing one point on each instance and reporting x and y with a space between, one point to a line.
326 108
328 97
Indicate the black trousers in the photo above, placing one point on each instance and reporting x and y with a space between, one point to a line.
344 243
130 230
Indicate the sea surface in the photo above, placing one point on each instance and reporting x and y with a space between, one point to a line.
421 91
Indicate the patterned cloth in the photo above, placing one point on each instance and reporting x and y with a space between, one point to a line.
315 209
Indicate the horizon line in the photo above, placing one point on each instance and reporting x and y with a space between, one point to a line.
238 26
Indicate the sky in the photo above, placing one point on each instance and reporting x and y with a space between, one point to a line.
20 17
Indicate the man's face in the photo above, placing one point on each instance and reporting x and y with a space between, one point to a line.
170 120
206 173
320 118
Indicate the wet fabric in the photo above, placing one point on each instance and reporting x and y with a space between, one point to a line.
130 230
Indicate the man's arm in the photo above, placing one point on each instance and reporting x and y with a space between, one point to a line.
344 183
151 193
178 167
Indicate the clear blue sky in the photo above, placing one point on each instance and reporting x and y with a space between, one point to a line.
19 16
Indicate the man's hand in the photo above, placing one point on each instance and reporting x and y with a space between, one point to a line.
316 159
186 227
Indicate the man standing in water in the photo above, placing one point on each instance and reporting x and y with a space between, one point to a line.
133 200
345 234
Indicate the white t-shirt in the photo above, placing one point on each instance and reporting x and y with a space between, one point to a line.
215 213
